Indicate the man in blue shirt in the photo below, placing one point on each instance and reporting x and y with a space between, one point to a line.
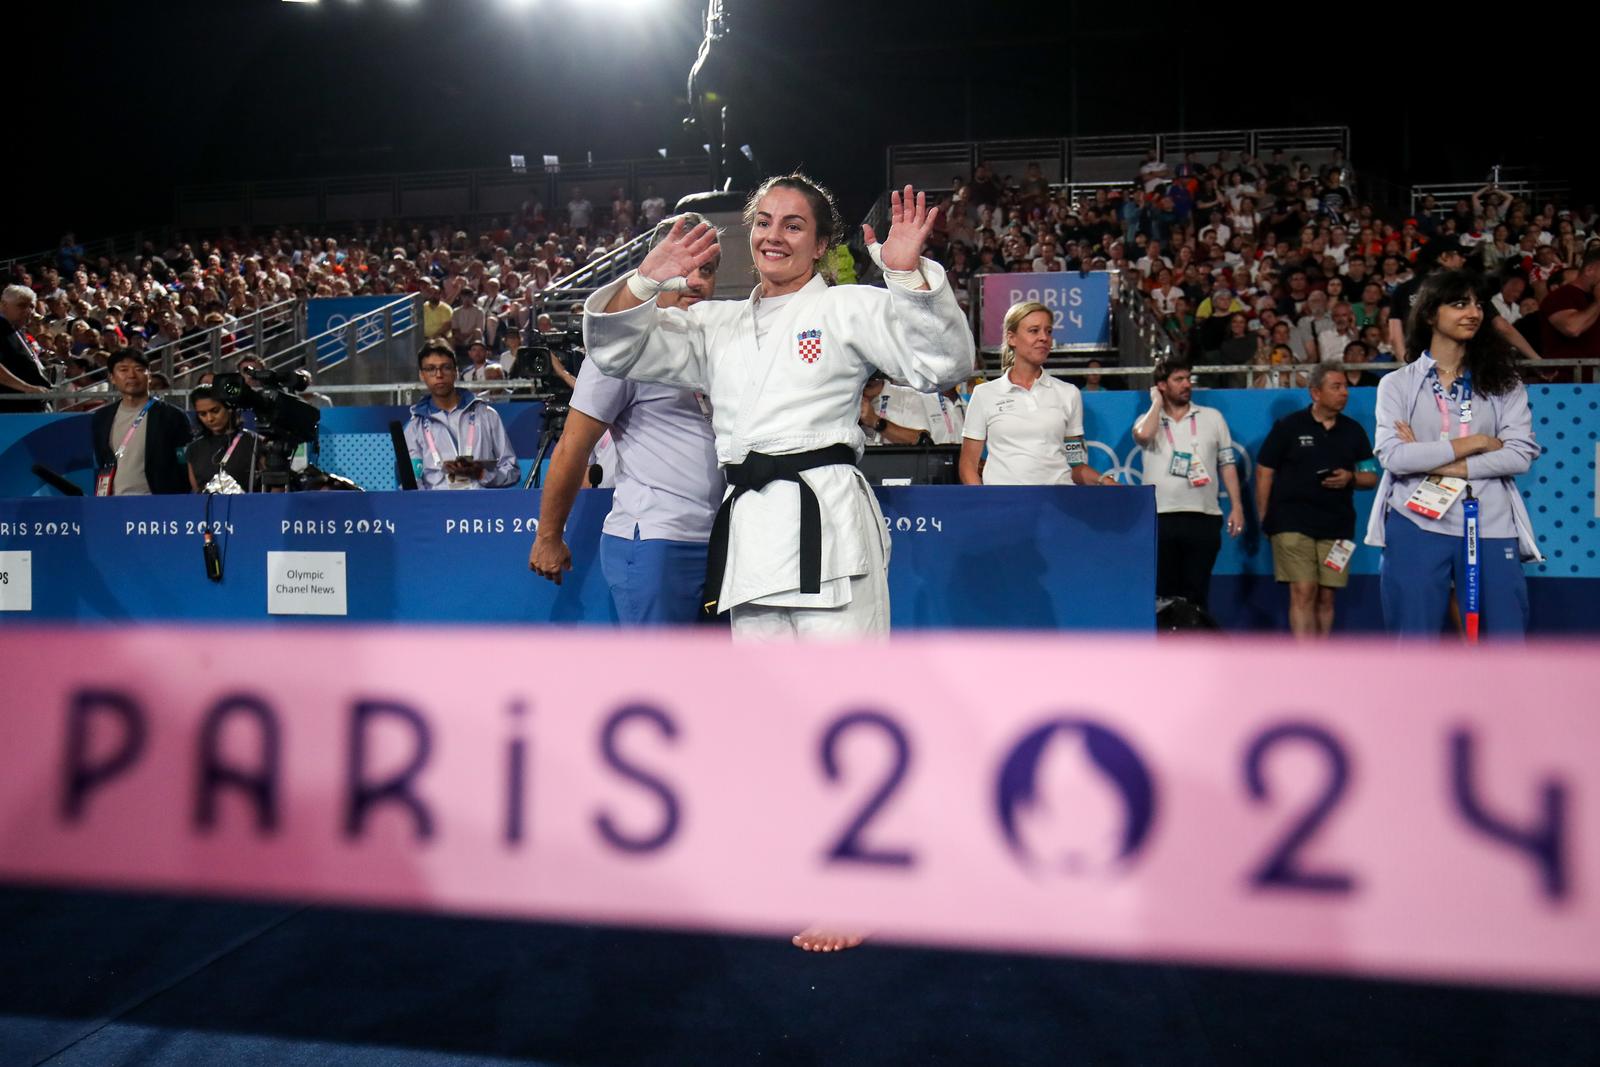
668 484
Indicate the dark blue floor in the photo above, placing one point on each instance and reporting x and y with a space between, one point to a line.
101 979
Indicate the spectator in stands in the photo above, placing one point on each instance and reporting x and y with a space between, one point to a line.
1182 445
456 439
652 208
1463 380
139 442
466 323
482 368
1031 422
1310 465
1275 359
21 368
1571 316
1447 256
1341 331
1356 374
1238 347
222 459
580 212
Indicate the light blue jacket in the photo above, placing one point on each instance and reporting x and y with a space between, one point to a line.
1406 395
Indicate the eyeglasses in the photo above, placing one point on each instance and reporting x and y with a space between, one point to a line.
439 368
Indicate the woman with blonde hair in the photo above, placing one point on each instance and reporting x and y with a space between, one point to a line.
1031 422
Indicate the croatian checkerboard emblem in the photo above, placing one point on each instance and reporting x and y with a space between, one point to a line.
810 345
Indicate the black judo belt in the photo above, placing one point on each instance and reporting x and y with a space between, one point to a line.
757 472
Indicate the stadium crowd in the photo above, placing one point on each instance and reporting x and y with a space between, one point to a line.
480 285
1277 264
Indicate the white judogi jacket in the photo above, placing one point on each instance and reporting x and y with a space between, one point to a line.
798 391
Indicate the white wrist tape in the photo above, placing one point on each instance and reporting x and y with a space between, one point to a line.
909 279
647 289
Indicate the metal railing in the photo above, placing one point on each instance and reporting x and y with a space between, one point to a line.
261 333
1447 194
557 298
1142 338
1076 160
378 345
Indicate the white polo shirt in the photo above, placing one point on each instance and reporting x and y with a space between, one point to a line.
1025 429
1202 432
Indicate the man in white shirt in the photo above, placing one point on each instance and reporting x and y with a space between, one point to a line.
1331 342
653 208
1185 447
579 211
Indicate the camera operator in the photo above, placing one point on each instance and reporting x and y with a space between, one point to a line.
138 444
453 423
224 457
530 363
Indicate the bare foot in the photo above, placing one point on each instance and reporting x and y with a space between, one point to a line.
819 939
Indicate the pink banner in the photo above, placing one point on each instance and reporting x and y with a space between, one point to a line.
1418 811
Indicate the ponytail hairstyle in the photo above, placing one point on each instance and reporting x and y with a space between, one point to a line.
824 209
1490 360
1013 322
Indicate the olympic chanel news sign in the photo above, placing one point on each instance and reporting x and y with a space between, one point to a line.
1414 811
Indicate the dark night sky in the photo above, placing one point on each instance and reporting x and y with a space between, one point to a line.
194 91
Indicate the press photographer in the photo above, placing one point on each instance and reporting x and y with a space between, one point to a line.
284 422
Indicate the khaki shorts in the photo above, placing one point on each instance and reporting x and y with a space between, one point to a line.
1298 558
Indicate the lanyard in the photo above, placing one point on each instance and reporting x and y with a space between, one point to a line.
223 462
1464 384
944 409
472 436
127 438
1194 434
1469 533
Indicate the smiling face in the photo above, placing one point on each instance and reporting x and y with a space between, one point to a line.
1459 319
1031 339
784 242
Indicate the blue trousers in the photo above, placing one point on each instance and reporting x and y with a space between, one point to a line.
654 582
1414 580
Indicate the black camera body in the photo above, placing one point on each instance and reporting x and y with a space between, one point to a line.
283 421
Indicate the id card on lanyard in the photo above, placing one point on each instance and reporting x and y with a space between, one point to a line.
453 481
1187 464
1438 493
105 479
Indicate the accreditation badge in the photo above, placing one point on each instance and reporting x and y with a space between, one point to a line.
1436 495
1198 475
104 479
1178 466
1339 555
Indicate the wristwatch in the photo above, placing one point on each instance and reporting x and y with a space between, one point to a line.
882 424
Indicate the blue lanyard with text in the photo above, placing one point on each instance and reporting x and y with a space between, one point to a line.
1469 605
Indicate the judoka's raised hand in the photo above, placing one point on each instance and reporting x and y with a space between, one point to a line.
910 222
680 253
